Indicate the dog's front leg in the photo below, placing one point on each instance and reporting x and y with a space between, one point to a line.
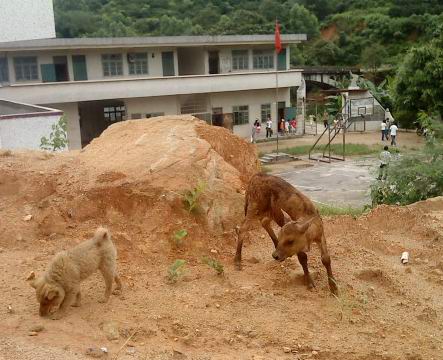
67 301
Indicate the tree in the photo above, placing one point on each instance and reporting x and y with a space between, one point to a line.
419 82
301 20
373 57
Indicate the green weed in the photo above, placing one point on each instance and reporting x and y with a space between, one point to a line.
176 270
215 264
178 237
192 196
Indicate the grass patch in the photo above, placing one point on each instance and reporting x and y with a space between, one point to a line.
265 169
336 149
331 210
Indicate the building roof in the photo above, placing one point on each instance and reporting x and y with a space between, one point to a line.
13 109
151 41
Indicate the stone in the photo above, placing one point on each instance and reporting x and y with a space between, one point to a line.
37 328
314 353
95 352
130 350
286 349
213 251
10 310
27 218
110 328
33 333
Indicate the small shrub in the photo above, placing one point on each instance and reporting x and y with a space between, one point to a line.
178 237
215 264
176 270
58 138
191 197
411 178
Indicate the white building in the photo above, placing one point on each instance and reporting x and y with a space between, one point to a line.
22 126
26 20
97 81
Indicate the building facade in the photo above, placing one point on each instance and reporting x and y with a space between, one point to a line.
97 82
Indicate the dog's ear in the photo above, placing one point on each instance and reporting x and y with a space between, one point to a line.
32 280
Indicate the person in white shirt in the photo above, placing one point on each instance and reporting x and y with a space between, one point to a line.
383 131
385 158
394 129
269 127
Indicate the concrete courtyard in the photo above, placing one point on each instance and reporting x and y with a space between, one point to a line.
340 183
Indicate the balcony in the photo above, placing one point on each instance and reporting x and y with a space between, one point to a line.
74 91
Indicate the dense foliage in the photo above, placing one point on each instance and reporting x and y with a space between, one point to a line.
419 80
349 28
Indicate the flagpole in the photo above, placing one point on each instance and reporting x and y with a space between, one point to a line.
277 50
276 104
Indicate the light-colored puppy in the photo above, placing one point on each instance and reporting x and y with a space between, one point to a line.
59 286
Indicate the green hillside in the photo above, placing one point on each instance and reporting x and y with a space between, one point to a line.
341 32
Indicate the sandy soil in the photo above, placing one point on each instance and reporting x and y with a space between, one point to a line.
386 310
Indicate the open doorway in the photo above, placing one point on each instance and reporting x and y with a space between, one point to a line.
217 116
281 110
61 68
214 62
96 116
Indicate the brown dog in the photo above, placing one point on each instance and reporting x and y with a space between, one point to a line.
59 286
270 198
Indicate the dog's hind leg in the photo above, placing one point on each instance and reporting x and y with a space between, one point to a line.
118 288
108 276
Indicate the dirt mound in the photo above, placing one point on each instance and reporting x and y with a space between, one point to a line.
129 180
134 176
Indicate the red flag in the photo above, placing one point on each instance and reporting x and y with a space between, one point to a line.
277 38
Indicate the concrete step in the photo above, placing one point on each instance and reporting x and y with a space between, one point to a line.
277 158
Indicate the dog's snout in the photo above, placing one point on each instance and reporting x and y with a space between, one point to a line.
275 255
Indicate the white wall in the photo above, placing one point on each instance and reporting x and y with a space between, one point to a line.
254 99
25 132
26 20
70 111
159 104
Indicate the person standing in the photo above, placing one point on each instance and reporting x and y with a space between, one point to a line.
281 126
385 158
254 132
384 131
325 119
269 127
393 131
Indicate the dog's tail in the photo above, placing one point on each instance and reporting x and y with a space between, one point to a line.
101 235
